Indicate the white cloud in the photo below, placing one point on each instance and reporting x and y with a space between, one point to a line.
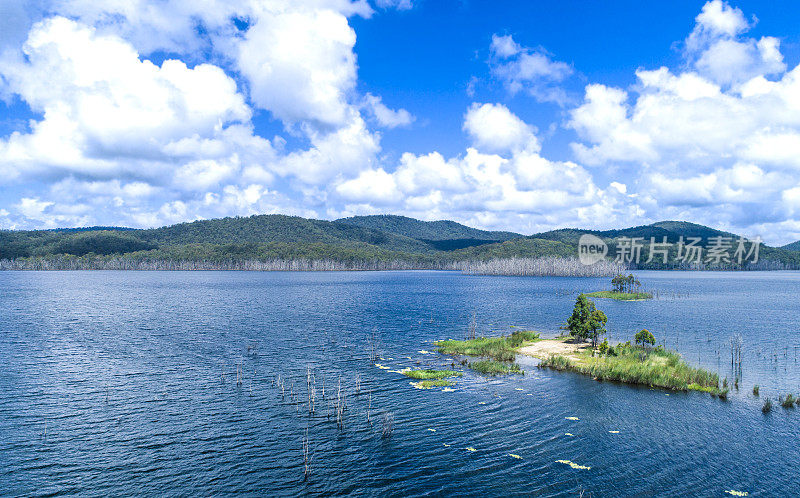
345 151
109 114
517 189
534 71
504 46
373 186
717 143
300 65
397 4
719 18
106 112
386 117
494 128
719 52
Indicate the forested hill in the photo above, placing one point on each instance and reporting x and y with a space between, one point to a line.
442 235
794 246
360 240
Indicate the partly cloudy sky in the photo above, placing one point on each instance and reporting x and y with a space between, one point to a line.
523 116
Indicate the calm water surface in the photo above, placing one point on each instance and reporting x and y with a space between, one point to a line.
111 383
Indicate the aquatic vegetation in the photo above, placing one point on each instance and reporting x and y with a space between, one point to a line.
569 434
382 367
621 296
499 348
614 432
755 390
787 401
491 367
655 367
767 406
574 465
518 389
445 445
448 390
431 430
431 374
514 455
430 384
736 493
572 418
387 426
470 449
306 457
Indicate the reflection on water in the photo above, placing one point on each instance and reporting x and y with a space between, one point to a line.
126 383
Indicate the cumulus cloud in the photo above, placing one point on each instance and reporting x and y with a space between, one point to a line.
714 144
530 70
494 128
105 112
300 65
719 52
387 118
517 188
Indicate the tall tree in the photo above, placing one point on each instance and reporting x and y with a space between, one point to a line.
587 322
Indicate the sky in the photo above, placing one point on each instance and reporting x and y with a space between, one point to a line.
521 116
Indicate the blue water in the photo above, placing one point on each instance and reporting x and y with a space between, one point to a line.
111 383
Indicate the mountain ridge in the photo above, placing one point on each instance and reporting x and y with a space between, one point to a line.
384 237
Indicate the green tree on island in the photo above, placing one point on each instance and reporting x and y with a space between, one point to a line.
587 322
644 338
628 285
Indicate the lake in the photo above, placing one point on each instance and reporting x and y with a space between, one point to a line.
125 383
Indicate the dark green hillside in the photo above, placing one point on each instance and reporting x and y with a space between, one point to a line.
427 230
359 241
794 246
517 248
278 228
673 230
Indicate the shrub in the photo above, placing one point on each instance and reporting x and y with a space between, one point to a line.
431 374
491 367
498 348
644 337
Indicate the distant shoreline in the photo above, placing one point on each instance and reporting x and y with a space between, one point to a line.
549 266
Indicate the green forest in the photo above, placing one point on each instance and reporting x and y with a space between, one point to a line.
363 241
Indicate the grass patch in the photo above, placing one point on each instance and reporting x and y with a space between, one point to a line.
431 374
620 296
429 384
655 367
498 348
493 367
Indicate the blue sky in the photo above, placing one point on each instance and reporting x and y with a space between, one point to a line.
523 116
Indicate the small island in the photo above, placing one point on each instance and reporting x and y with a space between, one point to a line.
624 288
641 363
